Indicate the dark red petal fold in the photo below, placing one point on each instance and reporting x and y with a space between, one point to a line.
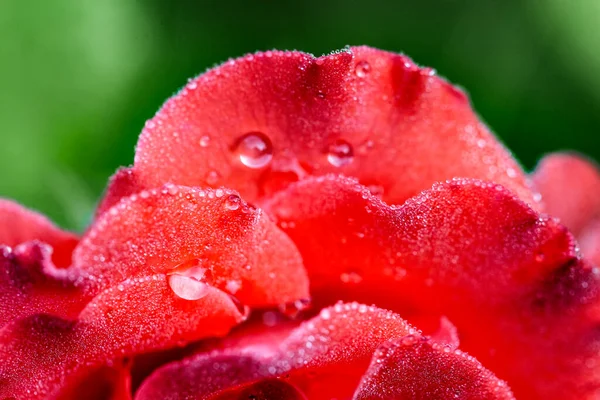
31 284
510 279
176 229
19 225
413 368
43 355
257 123
322 359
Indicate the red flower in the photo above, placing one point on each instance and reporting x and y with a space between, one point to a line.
337 156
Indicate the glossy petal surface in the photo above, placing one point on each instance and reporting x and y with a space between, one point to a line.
412 368
323 358
176 229
43 355
260 122
508 278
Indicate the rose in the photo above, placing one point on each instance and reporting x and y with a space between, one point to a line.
337 156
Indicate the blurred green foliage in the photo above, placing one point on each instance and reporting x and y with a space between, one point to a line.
79 78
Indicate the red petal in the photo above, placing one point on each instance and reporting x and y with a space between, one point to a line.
462 234
362 112
589 240
410 368
569 185
123 183
324 358
31 284
508 278
43 355
175 228
19 225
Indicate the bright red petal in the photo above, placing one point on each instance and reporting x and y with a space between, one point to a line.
260 122
43 355
123 183
508 278
570 188
19 225
412 368
322 359
176 229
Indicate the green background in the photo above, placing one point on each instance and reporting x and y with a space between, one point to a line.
80 77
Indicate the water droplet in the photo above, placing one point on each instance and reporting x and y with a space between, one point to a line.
539 257
204 141
325 314
212 177
188 286
376 190
350 277
232 202
243 309
362 69
409 340
254 150
232 286
294 308
320 94
340 153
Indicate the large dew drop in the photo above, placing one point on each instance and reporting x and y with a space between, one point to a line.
340 153
254 150
190 283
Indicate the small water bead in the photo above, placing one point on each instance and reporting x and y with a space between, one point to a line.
232 286
350 277
340 153
204 141
212 177
254 150
232 202
293 309
362 69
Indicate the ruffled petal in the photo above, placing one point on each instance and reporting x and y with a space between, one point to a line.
322 359
31 284
123 183
509 279
257 123
43 355
570 188
210 236
413 368
19 225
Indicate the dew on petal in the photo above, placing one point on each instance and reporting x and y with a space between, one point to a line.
254 150
232 202
340 153
212 177
293 309
350 277
188 287
362 69
204 141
